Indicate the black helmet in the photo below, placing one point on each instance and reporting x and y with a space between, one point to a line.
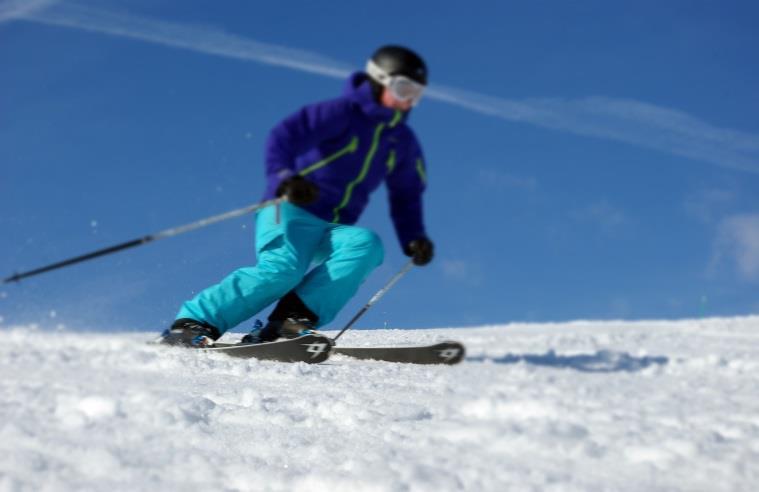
397 60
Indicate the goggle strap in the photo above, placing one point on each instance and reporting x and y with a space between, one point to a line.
381 76
377 73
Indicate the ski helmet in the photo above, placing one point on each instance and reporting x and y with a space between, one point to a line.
397 60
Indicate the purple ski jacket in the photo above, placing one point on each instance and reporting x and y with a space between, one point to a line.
348 146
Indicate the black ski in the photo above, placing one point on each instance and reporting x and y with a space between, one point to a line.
308 348
449 352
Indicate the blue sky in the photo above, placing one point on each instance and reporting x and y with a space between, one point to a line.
586 159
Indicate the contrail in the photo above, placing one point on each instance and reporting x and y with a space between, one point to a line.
201 39
19 9
623 120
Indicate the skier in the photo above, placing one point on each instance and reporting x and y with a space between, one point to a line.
324 161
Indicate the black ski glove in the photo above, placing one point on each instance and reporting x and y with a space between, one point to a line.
299 190
421 250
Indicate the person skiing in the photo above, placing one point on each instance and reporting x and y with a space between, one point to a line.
324 161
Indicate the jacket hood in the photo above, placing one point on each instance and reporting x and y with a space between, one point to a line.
359 90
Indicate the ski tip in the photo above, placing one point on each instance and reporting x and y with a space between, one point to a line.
451 352
317 346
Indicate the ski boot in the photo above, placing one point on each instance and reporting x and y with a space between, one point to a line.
276 328
290 318
261 333
190 333
297 327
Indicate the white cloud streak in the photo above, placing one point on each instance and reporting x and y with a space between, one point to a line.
462 271
623 120
19 9
496 178
709 204
201 39
739 241
632 122
602 213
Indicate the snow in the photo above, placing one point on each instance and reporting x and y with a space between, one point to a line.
649 405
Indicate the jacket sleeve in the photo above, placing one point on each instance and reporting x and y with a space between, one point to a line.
406 182
300 132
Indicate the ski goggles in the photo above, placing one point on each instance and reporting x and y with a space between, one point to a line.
401 87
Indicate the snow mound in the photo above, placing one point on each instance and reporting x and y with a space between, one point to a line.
652 405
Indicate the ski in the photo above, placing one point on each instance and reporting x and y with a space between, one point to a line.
448 352
308 348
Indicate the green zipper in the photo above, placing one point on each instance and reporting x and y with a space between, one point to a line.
362 175
396 118
391 162
421 171
348 149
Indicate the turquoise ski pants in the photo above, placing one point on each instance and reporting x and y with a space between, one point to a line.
289 241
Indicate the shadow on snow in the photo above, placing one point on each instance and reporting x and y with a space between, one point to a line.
601 361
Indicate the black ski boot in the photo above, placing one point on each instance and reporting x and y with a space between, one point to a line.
297 327
291 318
191 333
261 333
277 328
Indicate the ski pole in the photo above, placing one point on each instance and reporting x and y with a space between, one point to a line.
376 297
174 231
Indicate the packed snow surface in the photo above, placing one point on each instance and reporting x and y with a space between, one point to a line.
573 406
